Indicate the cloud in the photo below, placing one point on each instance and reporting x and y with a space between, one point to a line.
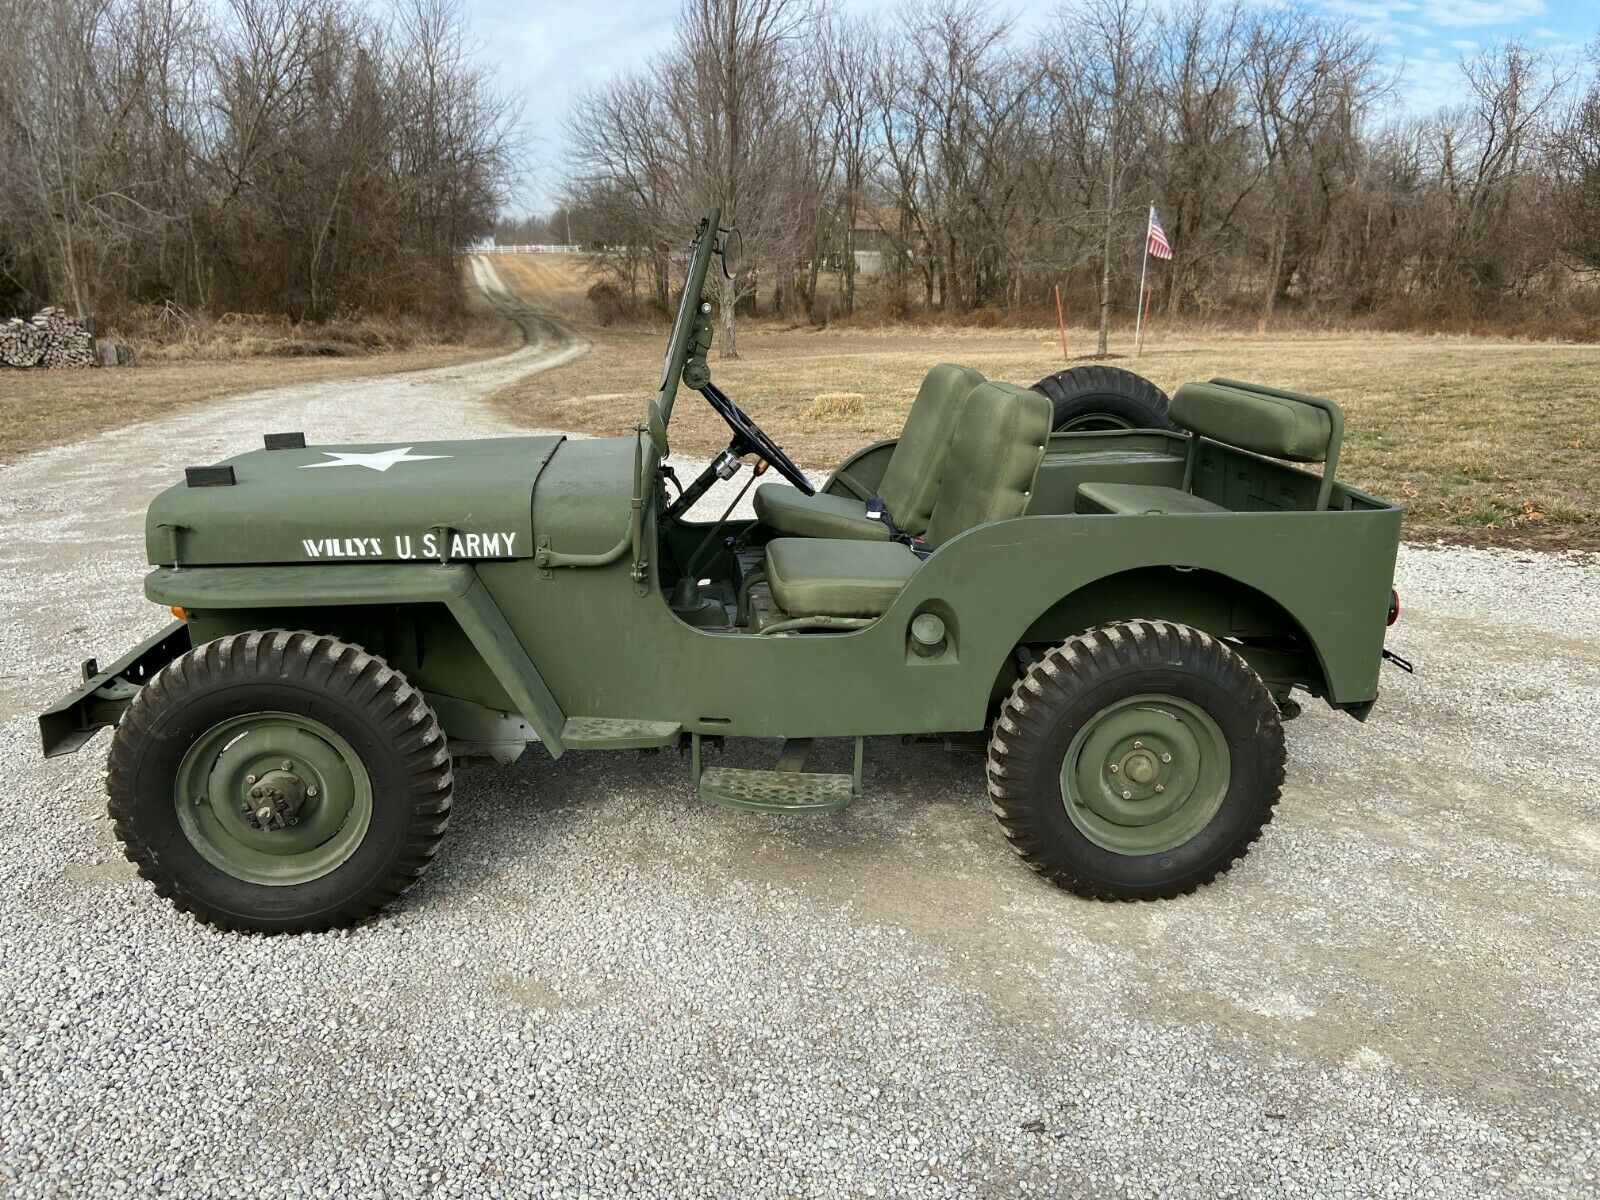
1452 14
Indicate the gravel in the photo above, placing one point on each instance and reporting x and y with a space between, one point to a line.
605 988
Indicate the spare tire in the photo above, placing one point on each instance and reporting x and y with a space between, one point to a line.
1094 397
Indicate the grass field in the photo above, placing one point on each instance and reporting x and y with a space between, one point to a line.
1493 442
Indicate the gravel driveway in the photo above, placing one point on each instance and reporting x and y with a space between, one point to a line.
604 987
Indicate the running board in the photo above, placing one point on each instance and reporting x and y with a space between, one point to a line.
785 789
618 733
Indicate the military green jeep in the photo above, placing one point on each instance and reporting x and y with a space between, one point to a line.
1125 610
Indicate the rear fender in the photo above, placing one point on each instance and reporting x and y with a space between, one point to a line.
456 586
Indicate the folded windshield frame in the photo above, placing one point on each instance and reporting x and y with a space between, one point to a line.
705 244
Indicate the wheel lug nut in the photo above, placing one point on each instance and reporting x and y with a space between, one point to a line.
1127 795
312 790
249 778
1138 745
1161 787
1166 757
1113 768
287 765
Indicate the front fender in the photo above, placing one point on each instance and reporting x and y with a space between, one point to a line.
456 586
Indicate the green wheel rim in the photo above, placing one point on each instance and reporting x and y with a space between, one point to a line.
273 798
1093 422
1145 774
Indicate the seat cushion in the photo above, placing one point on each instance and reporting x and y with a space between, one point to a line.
910 482
994 459
1140 498
1265 421
837 578
789 510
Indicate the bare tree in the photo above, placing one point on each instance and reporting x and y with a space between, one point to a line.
733 101
299 156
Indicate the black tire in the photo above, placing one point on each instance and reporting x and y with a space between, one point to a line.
1095 397
379 716
1075 683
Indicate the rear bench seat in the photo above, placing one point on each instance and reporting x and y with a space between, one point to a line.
1280 424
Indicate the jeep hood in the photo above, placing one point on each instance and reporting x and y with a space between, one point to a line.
388 502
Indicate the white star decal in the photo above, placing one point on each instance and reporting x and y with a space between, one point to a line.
377 460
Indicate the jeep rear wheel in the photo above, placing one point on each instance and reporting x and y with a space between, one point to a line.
1088 398
279 782
1136 761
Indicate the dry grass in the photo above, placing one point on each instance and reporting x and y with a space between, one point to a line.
1488 441
554 283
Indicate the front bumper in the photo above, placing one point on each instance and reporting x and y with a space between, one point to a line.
74 719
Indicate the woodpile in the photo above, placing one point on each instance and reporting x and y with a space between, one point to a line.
48 339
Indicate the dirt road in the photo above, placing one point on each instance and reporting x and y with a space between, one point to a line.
604 985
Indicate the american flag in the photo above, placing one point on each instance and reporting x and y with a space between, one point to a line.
1158 244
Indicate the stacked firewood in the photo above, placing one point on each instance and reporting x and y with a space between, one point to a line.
49 339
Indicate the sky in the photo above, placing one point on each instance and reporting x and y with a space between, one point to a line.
548 51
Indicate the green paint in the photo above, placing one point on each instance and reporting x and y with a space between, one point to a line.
1145 775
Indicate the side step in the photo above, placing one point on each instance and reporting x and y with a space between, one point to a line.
787 788
618 733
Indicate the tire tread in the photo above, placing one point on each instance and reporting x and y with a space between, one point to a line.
390 701
1016 740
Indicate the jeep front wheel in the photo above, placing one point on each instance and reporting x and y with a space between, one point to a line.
279 782
1136 761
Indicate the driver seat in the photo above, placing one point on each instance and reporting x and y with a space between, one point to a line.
999 445
910 483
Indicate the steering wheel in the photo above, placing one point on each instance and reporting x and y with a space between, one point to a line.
750 438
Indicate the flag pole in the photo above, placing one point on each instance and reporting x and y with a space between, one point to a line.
1138 321
1061 322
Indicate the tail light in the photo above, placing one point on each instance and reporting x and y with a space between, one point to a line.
1394 605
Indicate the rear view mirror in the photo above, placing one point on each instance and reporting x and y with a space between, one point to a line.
731 250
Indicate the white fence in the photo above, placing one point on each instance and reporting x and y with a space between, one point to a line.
491 248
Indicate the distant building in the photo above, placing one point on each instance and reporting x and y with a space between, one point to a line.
869 263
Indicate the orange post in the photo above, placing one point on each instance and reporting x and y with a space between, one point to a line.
1144 321
1061 322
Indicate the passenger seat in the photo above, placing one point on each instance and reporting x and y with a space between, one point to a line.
910 483
994 458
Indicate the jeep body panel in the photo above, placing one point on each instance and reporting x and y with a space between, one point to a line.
568 643
385 503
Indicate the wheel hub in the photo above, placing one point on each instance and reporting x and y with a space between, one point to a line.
274 800
1139 767
1145 774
